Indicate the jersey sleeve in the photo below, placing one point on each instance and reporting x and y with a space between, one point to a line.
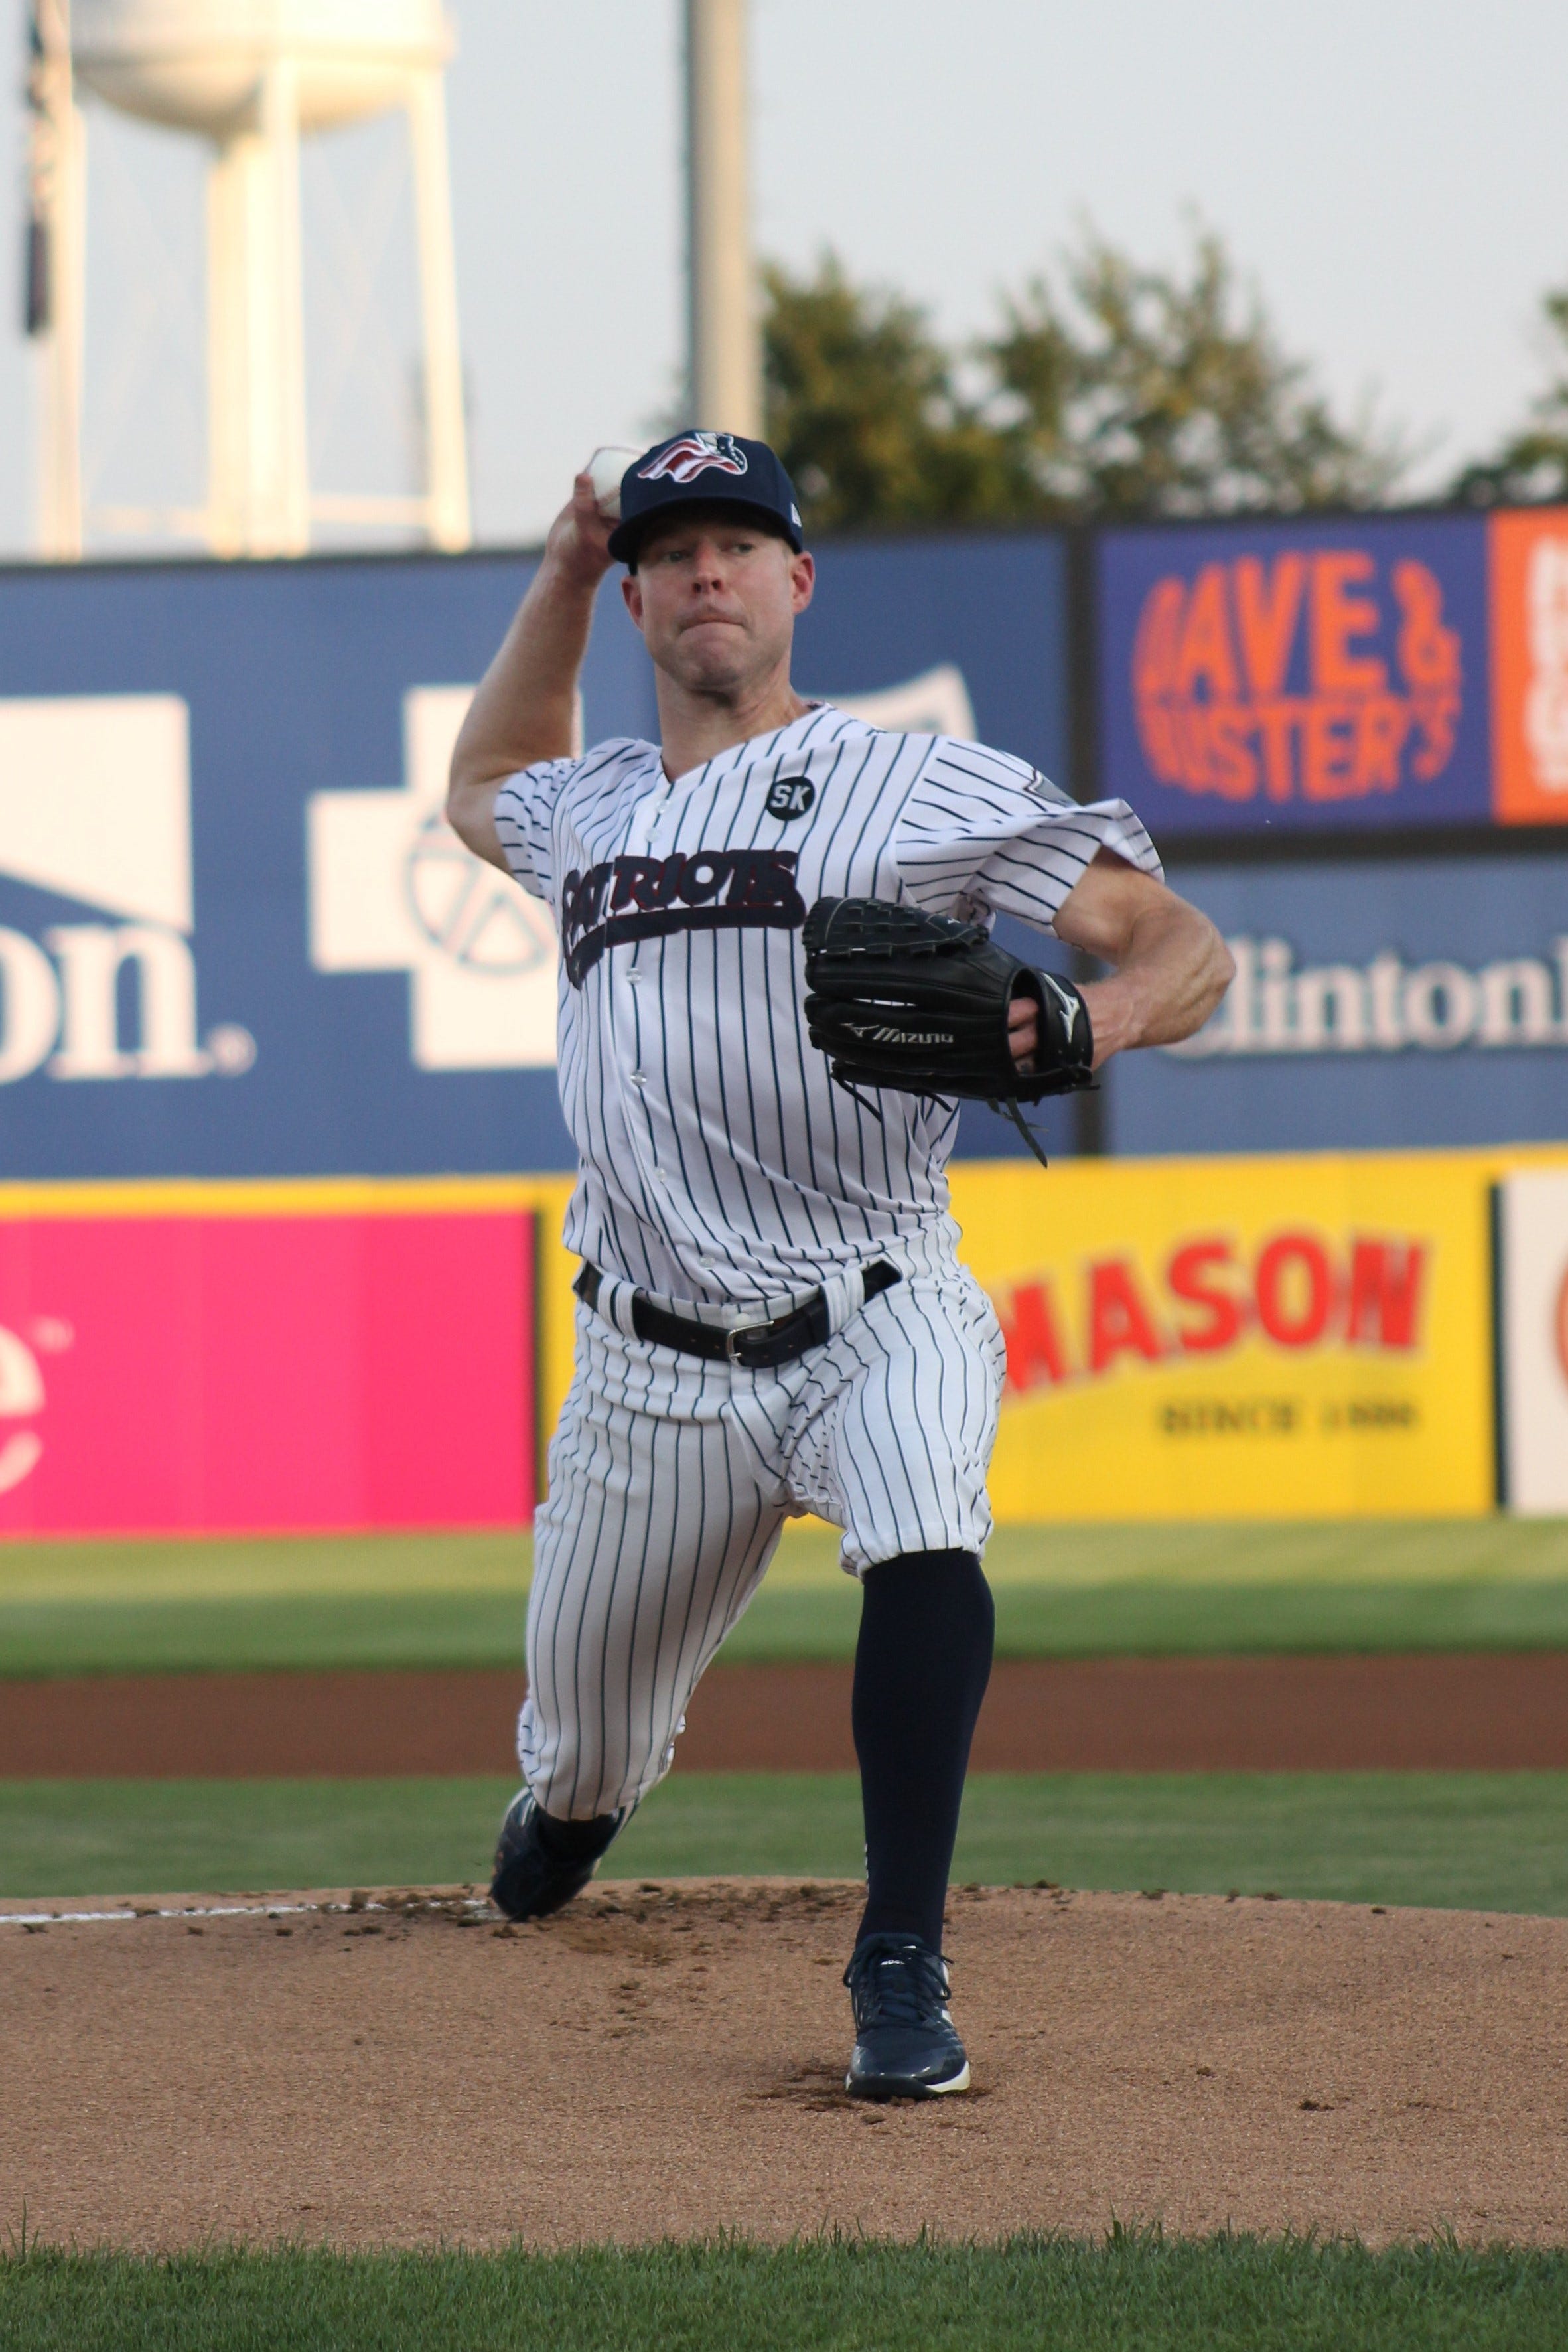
524 819
982 830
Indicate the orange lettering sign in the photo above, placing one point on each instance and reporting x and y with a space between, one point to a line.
1528 571
1033 1343
1302 1289
1212 669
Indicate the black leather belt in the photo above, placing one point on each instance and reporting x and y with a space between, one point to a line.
756 1347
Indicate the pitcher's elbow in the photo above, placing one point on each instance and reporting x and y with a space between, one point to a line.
1224 972
1219 971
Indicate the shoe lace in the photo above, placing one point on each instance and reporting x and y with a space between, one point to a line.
897 1984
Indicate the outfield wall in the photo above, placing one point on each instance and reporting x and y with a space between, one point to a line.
237 938
1324 674
1295 1337
255 1357
1308 1336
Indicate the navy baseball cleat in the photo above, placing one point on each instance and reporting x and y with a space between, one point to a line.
905 2045
540 1868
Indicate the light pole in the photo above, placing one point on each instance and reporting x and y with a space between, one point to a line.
725 341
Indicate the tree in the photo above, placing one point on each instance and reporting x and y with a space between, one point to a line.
1133 392
1532 466
1145 392
862 409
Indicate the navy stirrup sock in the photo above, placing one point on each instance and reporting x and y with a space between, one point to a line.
577 1841
922 1663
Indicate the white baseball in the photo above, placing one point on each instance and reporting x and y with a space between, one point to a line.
606 465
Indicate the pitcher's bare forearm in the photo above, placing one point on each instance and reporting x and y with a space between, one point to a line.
522 711
1171 966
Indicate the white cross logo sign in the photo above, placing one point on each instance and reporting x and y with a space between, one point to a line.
393 889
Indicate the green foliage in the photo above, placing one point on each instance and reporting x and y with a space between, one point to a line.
1138 390
1480 1841
864 409
1532 466
1134 2291
1124 390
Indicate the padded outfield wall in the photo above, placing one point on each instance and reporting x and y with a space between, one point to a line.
240 949
1350 736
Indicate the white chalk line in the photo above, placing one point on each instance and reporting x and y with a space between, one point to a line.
235 1911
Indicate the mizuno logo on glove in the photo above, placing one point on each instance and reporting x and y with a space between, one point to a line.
880 1034
1072 1006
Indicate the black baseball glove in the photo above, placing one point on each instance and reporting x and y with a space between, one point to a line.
902 999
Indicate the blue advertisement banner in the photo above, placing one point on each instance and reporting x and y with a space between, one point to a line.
1296 675
1418 1003
989 606
236 936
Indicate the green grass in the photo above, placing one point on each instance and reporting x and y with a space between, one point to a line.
283 1633
1138 2292
1037 1621
1483 1841
784 1623
459 1600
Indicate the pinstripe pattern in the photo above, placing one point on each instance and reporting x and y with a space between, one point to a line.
670 1481
723 1171
718 1160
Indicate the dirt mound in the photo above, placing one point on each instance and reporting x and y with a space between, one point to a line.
402 2070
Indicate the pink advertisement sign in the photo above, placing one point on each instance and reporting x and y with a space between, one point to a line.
237 1374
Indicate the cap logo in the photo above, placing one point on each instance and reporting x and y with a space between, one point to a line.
694 454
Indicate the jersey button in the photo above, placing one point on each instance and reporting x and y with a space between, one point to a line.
638 1078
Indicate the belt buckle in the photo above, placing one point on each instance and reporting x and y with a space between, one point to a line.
738 1332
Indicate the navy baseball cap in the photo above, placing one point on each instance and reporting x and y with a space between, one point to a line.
704 469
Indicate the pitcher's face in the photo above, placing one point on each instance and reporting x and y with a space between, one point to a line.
715 596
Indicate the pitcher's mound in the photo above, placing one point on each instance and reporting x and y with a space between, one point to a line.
667 2060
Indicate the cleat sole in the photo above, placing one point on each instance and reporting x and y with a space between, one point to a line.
884 2087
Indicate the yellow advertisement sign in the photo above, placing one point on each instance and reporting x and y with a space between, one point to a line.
1294 1336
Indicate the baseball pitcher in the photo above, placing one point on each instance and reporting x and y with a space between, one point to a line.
776 979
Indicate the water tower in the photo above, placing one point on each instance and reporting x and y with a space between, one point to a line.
252 78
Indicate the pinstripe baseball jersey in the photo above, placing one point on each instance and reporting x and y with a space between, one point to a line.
719 1162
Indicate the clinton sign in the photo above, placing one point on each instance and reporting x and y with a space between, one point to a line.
1379 1002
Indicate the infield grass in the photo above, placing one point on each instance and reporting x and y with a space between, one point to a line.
1478 1841
459 1600
1136 2292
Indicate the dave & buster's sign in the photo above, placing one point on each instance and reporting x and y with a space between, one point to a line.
1300 676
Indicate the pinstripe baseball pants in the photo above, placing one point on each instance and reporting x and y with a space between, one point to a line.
670 1480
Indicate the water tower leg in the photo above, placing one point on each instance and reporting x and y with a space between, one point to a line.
61 534
445 440
278 394
259 495
228 376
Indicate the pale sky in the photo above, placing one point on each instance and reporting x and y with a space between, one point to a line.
1393 174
